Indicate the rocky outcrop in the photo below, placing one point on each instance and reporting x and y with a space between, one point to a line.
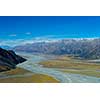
9 60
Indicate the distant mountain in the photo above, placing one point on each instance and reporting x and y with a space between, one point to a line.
9 60
85 48
5 47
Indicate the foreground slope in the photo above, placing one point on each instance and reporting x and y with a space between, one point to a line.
9 60
20 75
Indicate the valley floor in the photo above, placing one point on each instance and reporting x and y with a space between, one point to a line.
52 69
71 65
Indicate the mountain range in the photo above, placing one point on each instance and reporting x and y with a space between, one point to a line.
84 48
6 47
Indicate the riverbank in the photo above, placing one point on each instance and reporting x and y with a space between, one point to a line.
33 65
70 65
20 75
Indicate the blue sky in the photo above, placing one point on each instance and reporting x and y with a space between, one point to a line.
27 28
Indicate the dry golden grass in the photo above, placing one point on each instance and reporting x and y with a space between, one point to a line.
16 71
66 58
36 78
69 64
73 66
4 68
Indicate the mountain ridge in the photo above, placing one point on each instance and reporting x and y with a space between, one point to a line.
9 59
85 48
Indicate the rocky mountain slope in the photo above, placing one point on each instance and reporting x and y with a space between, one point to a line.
9 60
85 48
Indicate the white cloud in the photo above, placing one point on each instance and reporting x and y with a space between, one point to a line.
28 33
25 41
13 35
49 38
14 42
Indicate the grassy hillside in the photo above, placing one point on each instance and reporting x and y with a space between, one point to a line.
17 71
36 78
4 68
33 78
